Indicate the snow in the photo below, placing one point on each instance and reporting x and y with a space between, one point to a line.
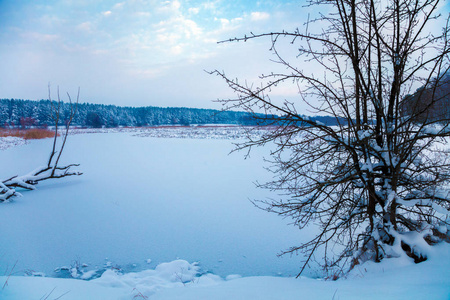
363 134
424 202
217 131
10 141
167 218
390 279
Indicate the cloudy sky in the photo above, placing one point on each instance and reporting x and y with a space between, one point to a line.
136 52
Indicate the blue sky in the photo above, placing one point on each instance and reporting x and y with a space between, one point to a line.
135 52
143 52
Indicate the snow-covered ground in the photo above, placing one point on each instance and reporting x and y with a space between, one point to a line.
167 218
391 279
10 141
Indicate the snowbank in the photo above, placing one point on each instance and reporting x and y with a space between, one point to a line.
391 279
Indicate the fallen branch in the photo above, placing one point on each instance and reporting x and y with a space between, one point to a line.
52 169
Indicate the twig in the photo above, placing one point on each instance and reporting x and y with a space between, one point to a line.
6 282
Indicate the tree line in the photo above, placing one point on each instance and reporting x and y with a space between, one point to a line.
431 102
27 113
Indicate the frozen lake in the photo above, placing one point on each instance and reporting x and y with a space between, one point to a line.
144 198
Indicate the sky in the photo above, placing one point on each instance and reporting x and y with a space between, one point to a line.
144 52
136 52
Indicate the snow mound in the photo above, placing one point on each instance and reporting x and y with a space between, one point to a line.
178 273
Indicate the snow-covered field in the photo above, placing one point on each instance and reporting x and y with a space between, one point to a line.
159 217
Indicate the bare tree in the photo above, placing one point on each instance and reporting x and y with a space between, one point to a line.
52 169
375 183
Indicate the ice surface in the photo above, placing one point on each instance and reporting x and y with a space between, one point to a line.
142 197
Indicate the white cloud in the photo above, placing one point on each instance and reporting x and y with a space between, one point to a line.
227 27
259 16
144 14
191 28
100 52
85 26
118 5
170 7
211 5
176 50
180 27
176 4
40 37
51 20
224 22
167 38
107 13
194 10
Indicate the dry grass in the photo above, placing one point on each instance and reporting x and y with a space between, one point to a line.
28 134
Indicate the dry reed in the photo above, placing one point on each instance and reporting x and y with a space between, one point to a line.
28 134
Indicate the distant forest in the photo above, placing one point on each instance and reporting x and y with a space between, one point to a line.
27 113
431 102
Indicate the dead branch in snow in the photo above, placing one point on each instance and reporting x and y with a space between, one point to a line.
52 169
